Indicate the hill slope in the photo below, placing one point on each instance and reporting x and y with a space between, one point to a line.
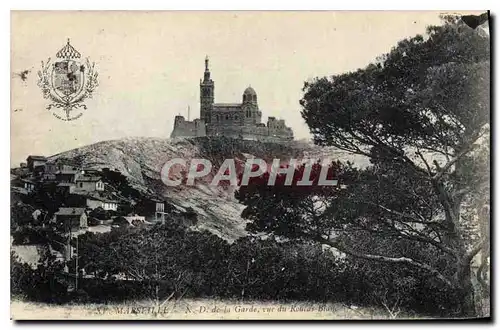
141 161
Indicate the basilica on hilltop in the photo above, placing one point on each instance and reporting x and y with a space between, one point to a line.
236 120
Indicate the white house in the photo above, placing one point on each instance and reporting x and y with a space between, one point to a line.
94 202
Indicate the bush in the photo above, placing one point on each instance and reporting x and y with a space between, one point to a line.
40 284
101 214
21 215
91 221
29 235
120 221
98 213
201 264
191 215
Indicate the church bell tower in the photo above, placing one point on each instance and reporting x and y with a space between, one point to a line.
206 94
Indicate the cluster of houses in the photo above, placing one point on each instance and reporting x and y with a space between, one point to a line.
83 190
78 191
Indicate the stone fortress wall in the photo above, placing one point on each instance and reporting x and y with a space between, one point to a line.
194 128
274 131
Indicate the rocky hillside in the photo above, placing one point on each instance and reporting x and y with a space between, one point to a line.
141 161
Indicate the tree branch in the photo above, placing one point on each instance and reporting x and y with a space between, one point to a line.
468 148
442 171
400 260
425 162
395 260
475 250
401 214
416 236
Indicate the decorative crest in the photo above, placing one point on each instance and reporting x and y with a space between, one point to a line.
67 82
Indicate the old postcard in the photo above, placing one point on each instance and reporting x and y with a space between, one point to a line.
250 165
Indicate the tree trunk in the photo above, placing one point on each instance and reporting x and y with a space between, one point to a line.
466 306
157 296
454 239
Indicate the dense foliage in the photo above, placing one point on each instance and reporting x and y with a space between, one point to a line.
169 260
421 114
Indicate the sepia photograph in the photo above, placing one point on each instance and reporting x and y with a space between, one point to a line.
250 165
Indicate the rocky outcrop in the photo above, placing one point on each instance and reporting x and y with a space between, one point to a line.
141 161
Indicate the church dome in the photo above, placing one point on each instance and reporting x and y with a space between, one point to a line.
249 91
249 95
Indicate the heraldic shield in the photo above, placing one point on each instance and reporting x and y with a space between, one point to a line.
67 82
68 78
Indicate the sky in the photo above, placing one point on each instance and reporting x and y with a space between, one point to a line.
150 65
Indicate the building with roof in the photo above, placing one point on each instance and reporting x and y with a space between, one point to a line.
29 185
66 167
65 188
237 120
73 218
88 183
50 167
68 176
107 204
34 161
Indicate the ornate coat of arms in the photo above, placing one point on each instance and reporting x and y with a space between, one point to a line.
67 83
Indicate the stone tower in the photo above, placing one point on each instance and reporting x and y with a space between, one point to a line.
206 95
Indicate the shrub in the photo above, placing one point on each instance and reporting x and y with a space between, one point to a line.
98 213
40 284
201 264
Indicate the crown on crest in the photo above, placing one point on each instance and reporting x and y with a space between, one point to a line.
68 52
